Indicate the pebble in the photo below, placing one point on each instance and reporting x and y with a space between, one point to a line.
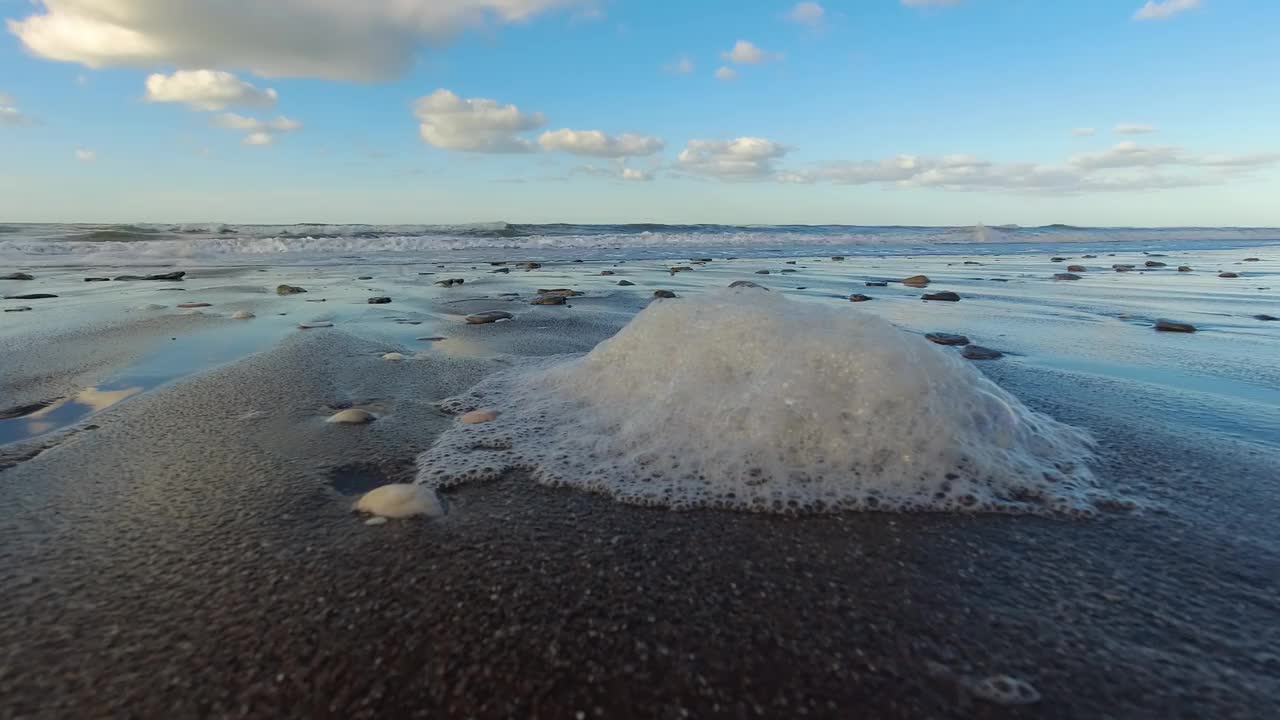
701 260
548 300
529 265
1057 259
177 275
663 294
916 281
450 282
762 272
289 290
30 296
352 416
946 295
1153 263
190 305
379 300
318 300
747 284
1005 690
858 297
1066 276
1184 268
503 271
562 292
18 309
393 356
376 520
1227 275
610 272
942 338
876 283
400 500
1174 326
1252 260
625 283
1264 317
1076 268
972 262
97 279
1122 268
475 417
837 258
312 325
17 276
1117 266
365 277
680 268
241 315
488 316
978 352
430 339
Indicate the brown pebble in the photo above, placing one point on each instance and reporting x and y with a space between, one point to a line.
476 417
916 281
978 352
946 296
1174 326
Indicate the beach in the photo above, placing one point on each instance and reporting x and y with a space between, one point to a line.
177 535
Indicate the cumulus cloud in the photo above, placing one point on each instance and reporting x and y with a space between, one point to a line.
726 73
10 115
1162 9
682 66
744 158
748 53
334 39
636 175
594 142
616 171
1134 129
475 124
207 90
86 155
1084 132
257 132
808 13
1130 154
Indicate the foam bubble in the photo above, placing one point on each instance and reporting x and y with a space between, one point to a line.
745 399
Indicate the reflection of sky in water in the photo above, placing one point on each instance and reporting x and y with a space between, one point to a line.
66 411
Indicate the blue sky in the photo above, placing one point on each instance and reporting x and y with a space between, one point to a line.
848 111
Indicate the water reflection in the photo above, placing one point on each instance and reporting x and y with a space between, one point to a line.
65 411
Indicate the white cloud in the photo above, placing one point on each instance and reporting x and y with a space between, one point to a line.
808 13
207 90
1161 9
726 73
1084 132
257 132
1134 129
744 158
10 115
617 172
636 175
748 53
475 124
594 142
682 66
1130 154
85 155
335 39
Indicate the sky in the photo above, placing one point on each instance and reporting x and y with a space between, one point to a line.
906 112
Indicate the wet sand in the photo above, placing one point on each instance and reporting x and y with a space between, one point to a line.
190 550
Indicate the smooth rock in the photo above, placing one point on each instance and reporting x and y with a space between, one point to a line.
1174 326
176 275
562 292
288 290
1227 275
1154 264
942 338
1076 268
191 305
762 272
379 300
608 272
528 265
1123 268
916 281
97 279
1066 276
548 300
24 308
625 283
1117 266
667 294
858 297
977 352
946 296
393 356
680 268
1252 260
502 271
376 520
30 296
17 276
352 416
972 262
1265 317
242 315
476 417
876 283
700 260
747 284
400 500
450 282
1184 268
1088 257
488 316
433 338
837 258
313 325
365 277
1057 259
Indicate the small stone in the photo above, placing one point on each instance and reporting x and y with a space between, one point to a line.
191 305
1252 260
352 416
289 290
1153 264
607 273
1088 257
475 417
24 308
666 294
747 284
858 297
946 296
528 265
17 276
762 272
177 275
1066 276
562 292
680 268
1123 268
379 300
625 283
394 356
450 282
1005 690
1117 266
1184 268
700 260
978 352
972 262
30 296
916 281
242 315
548 300
1076 268
430 339
365 277
837 258
376 520
97 279
400 500
313 325
1227 275
876 283
1057 259
1174 326
790 262
1264 317
318 300
942 338
488 316
503 271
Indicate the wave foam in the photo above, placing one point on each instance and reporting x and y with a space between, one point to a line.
743 399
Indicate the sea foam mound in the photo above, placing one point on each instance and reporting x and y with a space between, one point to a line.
743 399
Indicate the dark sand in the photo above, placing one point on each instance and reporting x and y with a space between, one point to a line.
173 559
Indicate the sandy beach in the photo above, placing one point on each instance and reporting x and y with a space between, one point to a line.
177 536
